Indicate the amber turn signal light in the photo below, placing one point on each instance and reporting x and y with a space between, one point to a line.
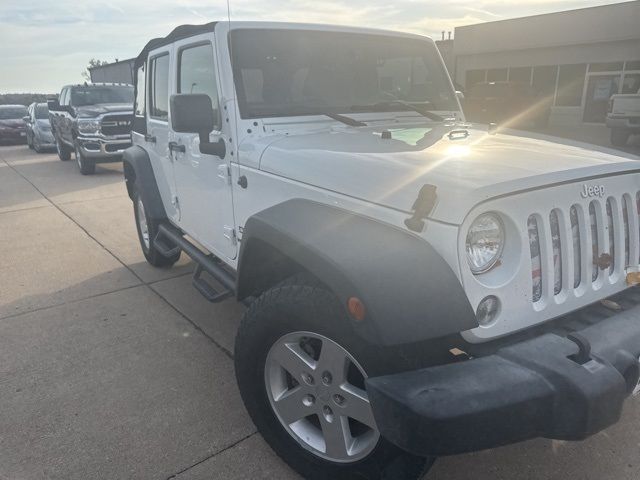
356 308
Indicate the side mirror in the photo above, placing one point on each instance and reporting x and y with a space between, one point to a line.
26 119
460 95
193 113
54 105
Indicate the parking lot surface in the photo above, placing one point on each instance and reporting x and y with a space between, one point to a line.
110 368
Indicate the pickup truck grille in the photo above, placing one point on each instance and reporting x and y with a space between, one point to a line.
116 124
583 247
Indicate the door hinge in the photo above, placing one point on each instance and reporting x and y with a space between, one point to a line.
230 234
175 202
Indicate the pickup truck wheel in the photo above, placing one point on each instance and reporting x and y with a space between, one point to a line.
64 152
86 165
301 375
619 137
147 231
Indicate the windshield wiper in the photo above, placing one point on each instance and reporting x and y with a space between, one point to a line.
352 122
399 103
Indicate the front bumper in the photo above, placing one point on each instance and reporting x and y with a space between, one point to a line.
102 148
535 388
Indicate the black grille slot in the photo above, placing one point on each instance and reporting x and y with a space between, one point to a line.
116 125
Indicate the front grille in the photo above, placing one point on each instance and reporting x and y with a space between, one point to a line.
116 124
580 247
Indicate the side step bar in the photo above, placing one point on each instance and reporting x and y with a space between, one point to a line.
204 263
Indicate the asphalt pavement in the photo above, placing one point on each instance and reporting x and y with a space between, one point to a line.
112 369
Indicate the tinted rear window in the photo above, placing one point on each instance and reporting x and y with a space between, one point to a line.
9 113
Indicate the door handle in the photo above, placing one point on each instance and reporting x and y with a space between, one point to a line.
149 138
174 147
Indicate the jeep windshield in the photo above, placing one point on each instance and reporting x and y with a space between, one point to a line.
280 72
93 95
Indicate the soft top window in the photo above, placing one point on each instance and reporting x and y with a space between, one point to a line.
280 72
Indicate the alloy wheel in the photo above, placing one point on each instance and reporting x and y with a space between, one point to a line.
316 389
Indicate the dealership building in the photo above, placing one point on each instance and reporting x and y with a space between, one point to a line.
576 58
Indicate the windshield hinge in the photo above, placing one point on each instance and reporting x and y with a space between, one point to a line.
230 234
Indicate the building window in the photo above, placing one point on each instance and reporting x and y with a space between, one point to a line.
544 80
631 83
474 76
635 65
571 85
606 67
496 75
159 98
520 74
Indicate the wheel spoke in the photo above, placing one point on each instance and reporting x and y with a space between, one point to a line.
336 436
293 359
290 406
333 359
357 406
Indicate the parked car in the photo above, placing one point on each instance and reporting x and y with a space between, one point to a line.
39 135
12 126
416 286
511 104
623 117
93 121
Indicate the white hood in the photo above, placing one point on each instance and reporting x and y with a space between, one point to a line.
465 170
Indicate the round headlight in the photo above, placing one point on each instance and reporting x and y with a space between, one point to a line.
485 241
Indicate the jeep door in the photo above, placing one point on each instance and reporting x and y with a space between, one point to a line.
160 63
202 181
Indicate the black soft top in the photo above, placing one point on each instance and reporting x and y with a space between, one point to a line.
183 31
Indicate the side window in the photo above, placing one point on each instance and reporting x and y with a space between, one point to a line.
159 88
140 92
196 74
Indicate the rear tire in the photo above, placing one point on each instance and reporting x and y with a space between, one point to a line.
619 137
301 309
147 230
64 152
86 165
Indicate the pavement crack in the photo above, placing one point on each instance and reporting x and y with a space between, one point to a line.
228 447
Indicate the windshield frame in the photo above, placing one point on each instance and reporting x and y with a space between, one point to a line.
432 58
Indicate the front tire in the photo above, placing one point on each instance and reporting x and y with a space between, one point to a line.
147 230
619 137
64 152
29 141
86 165
301 374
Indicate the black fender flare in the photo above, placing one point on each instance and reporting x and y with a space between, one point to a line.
139 176
410 293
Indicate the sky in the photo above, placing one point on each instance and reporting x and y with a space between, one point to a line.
45 44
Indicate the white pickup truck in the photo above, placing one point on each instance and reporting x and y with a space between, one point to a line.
623 117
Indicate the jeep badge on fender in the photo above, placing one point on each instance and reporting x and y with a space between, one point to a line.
373 233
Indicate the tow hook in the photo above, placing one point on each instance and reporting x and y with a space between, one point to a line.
584 353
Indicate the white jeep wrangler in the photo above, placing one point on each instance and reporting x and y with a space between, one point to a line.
416 286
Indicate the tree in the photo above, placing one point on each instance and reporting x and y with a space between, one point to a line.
94 62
